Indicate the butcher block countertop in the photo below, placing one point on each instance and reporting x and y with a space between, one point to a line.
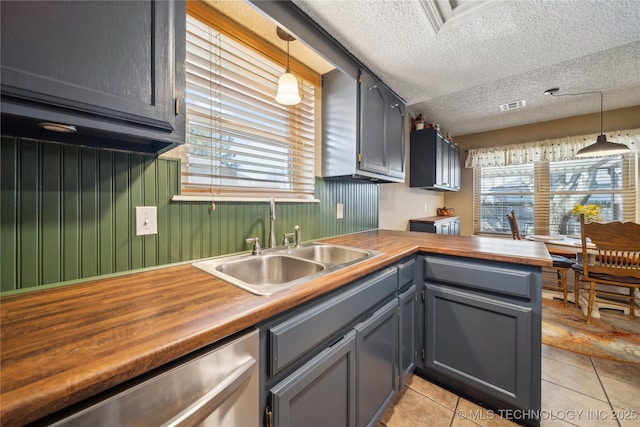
62 345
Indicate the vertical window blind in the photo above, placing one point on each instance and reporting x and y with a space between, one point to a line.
239 141
543 194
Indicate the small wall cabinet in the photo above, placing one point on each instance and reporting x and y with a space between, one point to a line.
436 224
114 70
434 161
364 128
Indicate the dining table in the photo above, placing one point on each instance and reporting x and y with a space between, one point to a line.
567 245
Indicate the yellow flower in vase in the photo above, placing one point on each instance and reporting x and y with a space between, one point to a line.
591 213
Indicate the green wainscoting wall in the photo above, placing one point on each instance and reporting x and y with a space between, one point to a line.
68 213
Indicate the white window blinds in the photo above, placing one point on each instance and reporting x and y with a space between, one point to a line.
239 141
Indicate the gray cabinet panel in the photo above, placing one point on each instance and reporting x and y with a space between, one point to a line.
294 337
373 105
112 69
376 343
499 278
322 392
406 333
467 334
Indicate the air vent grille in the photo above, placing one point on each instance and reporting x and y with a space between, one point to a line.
513 105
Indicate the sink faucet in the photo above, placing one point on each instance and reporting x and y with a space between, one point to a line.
285 239
272 218
298 237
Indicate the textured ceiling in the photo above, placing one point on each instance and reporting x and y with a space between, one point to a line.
488 53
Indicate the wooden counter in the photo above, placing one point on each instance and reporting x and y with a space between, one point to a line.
62 345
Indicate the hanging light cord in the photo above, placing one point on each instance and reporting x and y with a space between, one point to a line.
554 92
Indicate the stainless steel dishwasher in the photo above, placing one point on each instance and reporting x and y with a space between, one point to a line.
217 387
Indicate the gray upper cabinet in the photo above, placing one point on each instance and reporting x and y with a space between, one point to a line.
435 161
114 70
363 129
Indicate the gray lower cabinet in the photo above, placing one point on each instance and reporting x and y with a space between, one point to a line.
482 330
333 362
322 392
376 346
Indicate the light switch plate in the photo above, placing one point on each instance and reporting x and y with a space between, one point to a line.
339 211
146 220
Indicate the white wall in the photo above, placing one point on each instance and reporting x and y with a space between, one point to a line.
399 203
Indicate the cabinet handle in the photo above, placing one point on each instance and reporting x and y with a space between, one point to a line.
394 105
205 405
373 87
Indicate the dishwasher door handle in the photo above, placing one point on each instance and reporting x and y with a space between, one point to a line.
199 410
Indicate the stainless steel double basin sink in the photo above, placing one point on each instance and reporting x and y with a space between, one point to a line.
282 268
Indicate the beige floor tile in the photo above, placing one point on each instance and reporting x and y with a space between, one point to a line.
628 418
574 378
432 391
627 372
569 357
621 394
554 422
561 403
414 409
479 415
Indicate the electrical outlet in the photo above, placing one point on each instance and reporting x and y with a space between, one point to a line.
146 220
339 211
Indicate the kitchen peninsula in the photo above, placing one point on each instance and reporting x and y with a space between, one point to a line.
66 344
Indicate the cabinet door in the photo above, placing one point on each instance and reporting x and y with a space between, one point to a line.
443 228
322 392
394 138
406 333
466 334
373 108
376 353
93 63
454 167
442 162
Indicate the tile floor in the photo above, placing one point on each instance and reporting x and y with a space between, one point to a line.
577 390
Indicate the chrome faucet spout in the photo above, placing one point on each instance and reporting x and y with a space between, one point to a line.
297 236
272 218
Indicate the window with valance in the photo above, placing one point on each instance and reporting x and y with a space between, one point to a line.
542 181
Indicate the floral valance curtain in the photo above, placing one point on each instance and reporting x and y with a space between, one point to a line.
546 150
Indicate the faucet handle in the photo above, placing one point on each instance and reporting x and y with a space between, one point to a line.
255 250
285 239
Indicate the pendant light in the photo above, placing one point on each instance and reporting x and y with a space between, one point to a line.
601 147
288 93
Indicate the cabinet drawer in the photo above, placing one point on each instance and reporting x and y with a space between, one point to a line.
294 337
481 275
406 273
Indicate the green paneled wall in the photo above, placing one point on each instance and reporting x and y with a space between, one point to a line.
68 213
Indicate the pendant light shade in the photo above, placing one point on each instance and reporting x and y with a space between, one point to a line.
288 93
288 90
601 147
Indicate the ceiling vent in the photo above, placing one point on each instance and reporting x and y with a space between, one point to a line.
513 105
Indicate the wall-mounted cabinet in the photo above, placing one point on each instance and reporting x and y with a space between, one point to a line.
434 161
114 71
363 129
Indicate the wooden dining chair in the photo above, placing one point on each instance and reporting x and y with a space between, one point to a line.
561 263
613 259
